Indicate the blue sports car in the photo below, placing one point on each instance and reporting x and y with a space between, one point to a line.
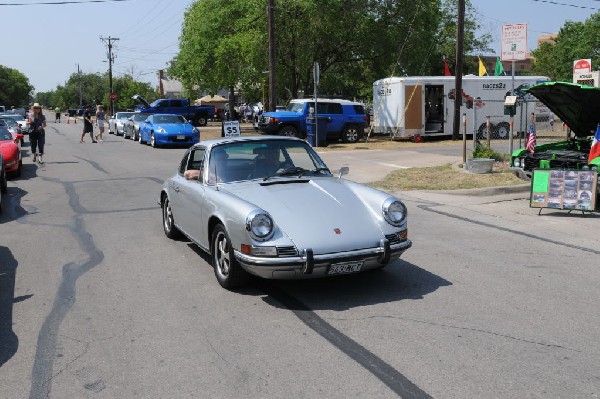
168 129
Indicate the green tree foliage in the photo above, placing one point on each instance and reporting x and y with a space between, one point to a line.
95 91
575 40
15 89
225 44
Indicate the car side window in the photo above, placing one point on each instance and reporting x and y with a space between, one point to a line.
176 103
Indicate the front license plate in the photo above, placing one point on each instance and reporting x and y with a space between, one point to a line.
180 137
346 267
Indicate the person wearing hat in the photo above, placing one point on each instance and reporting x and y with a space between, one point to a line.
37 134
88 124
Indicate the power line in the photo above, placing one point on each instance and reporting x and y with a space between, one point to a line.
566 5
55 3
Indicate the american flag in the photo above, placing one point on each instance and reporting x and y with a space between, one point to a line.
530 145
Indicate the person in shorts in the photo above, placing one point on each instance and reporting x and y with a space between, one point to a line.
57 114
88 124
100 121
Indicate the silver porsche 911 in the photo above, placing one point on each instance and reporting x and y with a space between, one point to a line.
269 206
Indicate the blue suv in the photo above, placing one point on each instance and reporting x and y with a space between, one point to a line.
347 119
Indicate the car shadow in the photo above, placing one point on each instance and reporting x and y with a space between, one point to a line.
400 280
9 342
11 206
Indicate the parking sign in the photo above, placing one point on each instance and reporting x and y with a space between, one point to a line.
514 42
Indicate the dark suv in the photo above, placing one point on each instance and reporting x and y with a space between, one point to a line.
347 120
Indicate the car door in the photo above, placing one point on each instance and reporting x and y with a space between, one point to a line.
189 195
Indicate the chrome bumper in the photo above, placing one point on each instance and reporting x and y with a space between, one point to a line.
309 265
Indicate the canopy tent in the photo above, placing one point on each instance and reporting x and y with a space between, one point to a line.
211 100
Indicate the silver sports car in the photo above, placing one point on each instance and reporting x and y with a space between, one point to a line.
269 206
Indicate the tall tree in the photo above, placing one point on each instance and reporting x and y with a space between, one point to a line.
15 89
575 40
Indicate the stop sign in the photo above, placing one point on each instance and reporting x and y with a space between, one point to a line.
113 96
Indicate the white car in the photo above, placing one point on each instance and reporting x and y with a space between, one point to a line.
116 123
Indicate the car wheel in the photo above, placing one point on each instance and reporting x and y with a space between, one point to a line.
201 121
502 130
171 231
19 169
228 271
140 138
351 134
3 184
153 140
134 136
288 131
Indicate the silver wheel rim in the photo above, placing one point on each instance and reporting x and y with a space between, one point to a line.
351 135
167 216
222 255
152 142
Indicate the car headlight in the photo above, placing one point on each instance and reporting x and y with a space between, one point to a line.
394 211
259 225
161 130
517 162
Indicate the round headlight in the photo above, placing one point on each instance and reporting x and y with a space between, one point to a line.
394 211
259 224
517 162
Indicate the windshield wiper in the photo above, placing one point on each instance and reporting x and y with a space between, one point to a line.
296 170
317 170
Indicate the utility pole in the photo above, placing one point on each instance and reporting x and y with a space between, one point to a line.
272 91
80 88
458 99
111 57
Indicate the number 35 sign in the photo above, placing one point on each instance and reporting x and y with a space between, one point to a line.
231 128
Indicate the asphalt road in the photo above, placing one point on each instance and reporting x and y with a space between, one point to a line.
492 301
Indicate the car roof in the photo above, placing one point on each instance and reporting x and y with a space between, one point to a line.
212 142
325 100
576 105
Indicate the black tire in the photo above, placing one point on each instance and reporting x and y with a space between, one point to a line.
140 138
19 169
153 141
227 270
171 231
201 120
134 135
289 131
502 130
3 183
351 134
482 131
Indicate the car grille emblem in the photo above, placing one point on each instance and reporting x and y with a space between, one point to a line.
337 231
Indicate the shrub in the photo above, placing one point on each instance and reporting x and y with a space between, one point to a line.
483 151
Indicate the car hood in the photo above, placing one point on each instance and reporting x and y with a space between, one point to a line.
174 126
280 114
7 147
576 105
323 213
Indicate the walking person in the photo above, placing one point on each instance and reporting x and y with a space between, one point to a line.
57 114
100 120
37 134
88 124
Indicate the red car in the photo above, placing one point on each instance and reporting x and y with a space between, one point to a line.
11 152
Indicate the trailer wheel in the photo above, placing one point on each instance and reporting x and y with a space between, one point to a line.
502 130
482 131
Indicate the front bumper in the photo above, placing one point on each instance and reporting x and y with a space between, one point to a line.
309 265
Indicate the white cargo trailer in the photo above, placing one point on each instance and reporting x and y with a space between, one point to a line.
424 105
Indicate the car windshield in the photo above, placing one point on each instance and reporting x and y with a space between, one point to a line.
169 119
5 134
8 122
264 159
295 107
139 117
13 117
124 115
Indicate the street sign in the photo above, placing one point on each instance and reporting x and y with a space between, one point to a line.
113 96
582 66
514 42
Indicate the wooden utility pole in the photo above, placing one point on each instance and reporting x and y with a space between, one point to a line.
272 91
458 99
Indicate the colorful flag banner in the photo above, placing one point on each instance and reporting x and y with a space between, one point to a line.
482 70
530 145
499 68
595 150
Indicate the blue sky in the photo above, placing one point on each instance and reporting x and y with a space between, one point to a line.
47 42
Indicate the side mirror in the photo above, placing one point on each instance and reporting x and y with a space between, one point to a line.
311 110
19 137
344 170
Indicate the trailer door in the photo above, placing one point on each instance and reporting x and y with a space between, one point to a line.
414 108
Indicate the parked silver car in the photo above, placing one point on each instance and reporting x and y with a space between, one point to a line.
269 206
131 127
116 123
